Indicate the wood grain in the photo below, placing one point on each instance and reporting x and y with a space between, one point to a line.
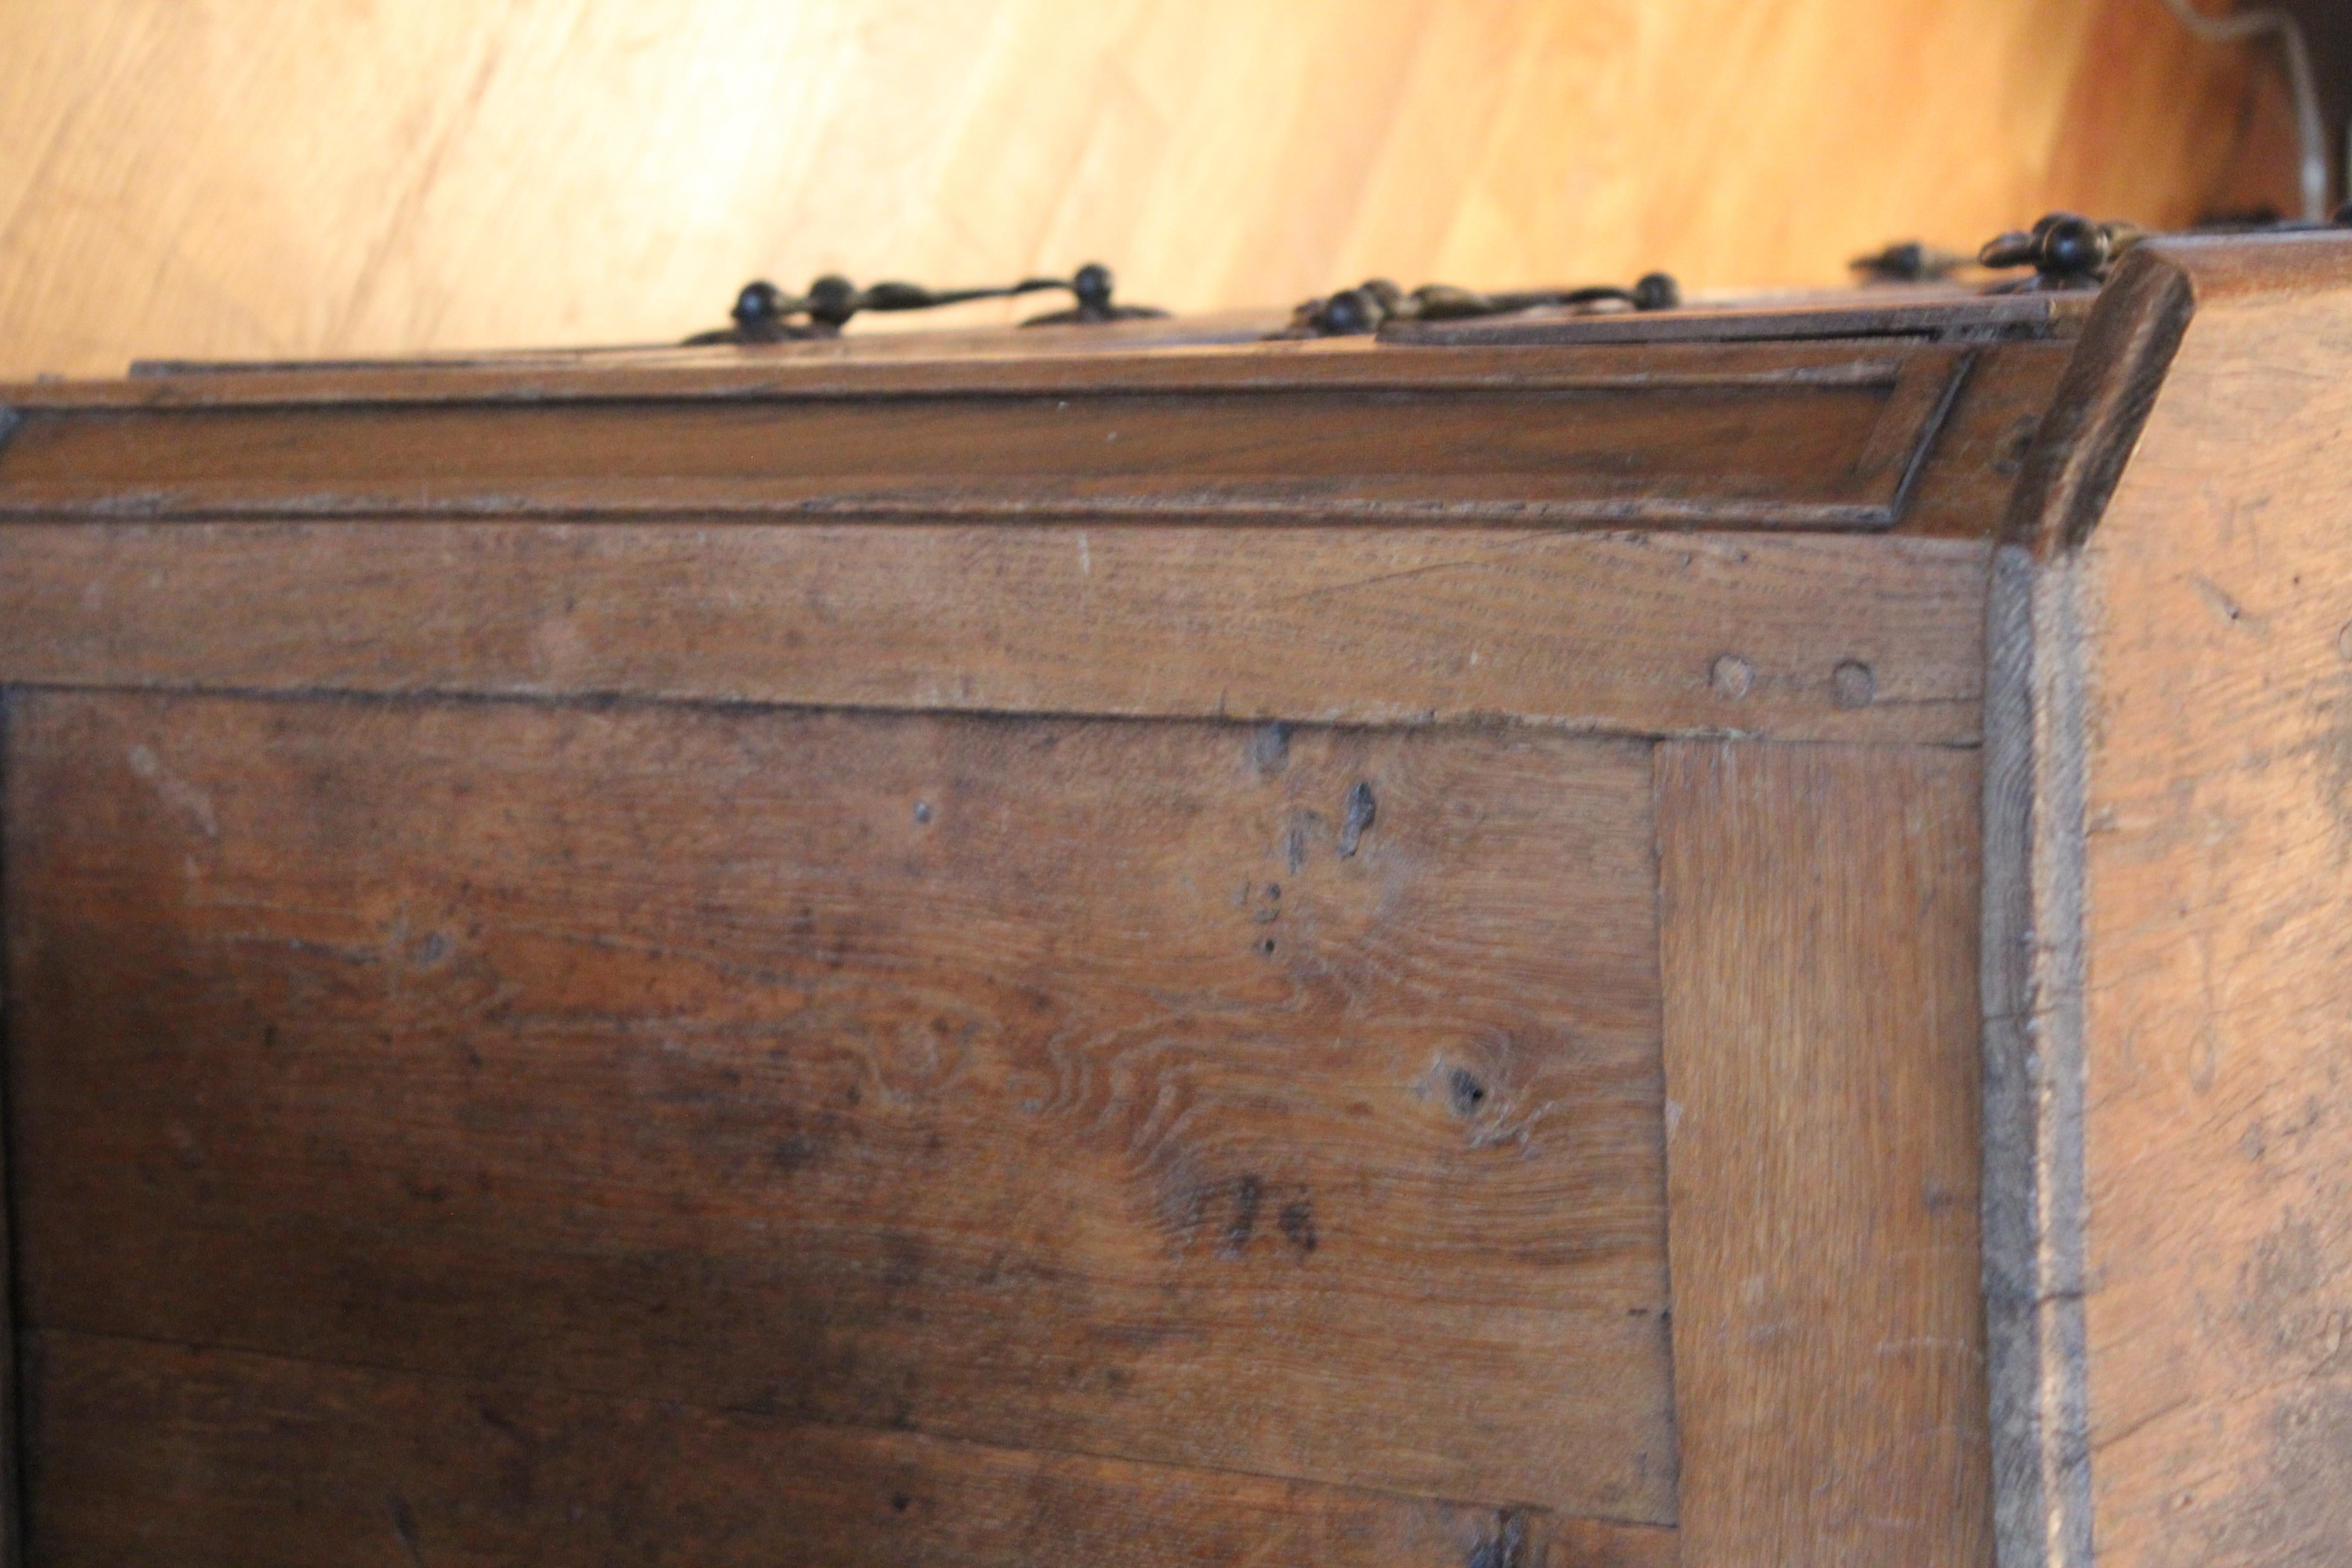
1943 311
1819 945
1772 436
1977 461
2031 991
257 1462
280 178
1016 365
1617 633
1211 1095
2208 605
2100 407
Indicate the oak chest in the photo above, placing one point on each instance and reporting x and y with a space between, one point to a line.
1719 938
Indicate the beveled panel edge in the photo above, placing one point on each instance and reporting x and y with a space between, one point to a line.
1213 329
90 460
785 503
1342 366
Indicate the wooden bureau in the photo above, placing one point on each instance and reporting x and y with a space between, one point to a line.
1717 938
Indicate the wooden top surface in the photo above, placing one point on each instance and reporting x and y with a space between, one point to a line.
1840 417
1942 312
1936 313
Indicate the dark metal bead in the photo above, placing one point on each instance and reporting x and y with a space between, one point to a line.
2065 249
760 304
1348 312
765 313
1657 292
2073 247
1375 303
832 300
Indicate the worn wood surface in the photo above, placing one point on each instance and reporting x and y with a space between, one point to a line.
2099 408
257 1462
1770 436
1948 312
1819 948
1201 1094
14 1446
2208 605
1656 635
1977 462
923 338
280 178
2031 994
855 373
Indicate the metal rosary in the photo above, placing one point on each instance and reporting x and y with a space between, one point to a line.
765 313
1377 301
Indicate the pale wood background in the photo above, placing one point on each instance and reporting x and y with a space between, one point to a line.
292 177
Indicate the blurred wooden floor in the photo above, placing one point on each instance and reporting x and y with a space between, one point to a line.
282 177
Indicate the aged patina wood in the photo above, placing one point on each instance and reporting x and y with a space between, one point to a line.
1639 635
1818 908
1759 435
1211 1095
447 924
286 1464
2171 1268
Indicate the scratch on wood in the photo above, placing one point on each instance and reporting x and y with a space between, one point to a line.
404 1525
1487 557
2222 604
1506 1547
1357 821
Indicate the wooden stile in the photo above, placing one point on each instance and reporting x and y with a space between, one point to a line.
1817 910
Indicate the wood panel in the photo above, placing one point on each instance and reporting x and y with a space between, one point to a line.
280 178
997 364
259 1463
1213 1095
1776 436
1645 635
2194 630
1819 945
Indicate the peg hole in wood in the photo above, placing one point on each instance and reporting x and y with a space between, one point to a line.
1851 684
